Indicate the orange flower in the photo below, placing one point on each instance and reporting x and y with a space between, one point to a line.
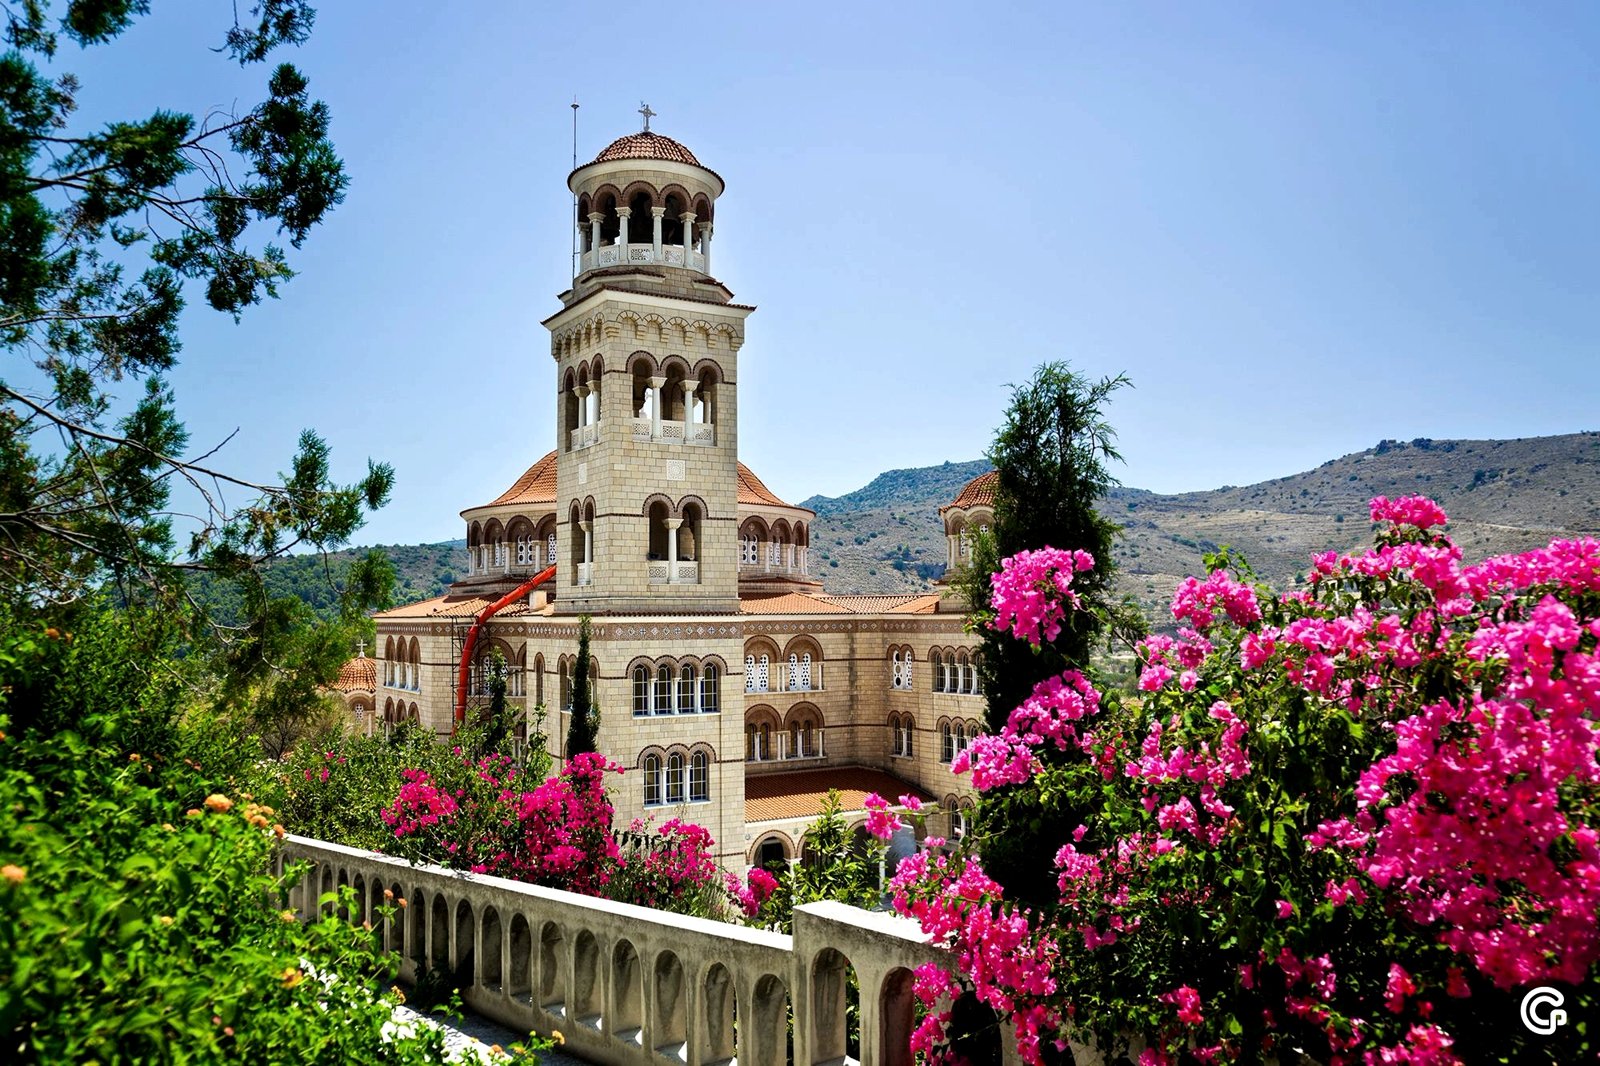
218 802
53 633
167 826
133 756
388 893
399 996
165 919
192 812
278 831
555 1034
292 977
401 902
288 916
15 874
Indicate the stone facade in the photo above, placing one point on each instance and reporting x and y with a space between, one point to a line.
718 658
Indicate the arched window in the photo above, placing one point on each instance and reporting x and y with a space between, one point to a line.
641 690
749 547
934 660
550 549
709 697
565 687
686 689
652 780
749 673
947 743
752 742
805 673
661 698
804 742
896 737
699 777
674 778
894 676
538 679
907 730
762 675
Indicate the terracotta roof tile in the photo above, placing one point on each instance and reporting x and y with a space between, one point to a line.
875 604
536 485
921 605
453 607
751 489
979 492
790 603
359 674
646 145
799 793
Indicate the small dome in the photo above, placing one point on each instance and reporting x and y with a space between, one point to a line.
753 491
536 485
358 675
979 492
647 145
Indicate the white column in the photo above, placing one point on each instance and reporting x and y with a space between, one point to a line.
705 244
588 548
583 405
656 385
687 218
672 555
688 403
622 231
655 230
595 218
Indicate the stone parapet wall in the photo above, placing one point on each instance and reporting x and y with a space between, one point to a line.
628 984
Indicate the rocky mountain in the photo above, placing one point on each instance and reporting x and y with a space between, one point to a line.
1501 495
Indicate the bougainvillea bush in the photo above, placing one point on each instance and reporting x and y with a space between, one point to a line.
1357 820
487 816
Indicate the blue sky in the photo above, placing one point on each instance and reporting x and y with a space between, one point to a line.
1297 228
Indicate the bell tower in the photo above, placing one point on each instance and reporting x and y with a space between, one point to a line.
646 358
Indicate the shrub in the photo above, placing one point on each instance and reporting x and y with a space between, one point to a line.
1357 819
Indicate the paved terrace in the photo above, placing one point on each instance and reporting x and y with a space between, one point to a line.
628 984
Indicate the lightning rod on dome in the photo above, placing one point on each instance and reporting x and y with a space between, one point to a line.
578 221
644 109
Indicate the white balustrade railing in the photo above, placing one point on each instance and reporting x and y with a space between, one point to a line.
628 984
611 255
660 573
672 431
688 573
584 436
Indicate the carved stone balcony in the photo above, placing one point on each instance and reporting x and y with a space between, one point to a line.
611 255
670 431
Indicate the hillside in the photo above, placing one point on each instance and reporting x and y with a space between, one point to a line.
1501 495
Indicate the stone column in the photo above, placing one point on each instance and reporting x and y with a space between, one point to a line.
655 230
588 548
656 385
672 555
623 213
595 218
687 218
705 244
688 404
583 405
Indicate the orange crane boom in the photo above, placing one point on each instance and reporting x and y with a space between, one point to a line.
464 672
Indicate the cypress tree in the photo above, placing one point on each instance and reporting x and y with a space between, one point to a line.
584 722
1050 455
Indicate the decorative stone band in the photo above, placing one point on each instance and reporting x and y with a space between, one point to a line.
628 984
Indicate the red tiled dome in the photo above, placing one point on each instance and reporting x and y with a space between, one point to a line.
647 145
536 485
358 675
979 492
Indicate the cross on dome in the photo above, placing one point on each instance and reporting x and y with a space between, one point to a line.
644 109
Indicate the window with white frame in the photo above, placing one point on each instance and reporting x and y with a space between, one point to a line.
550 549
674 778
661 694
749 551
699 777
710 699
652 780
686 689
947 743
641 690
